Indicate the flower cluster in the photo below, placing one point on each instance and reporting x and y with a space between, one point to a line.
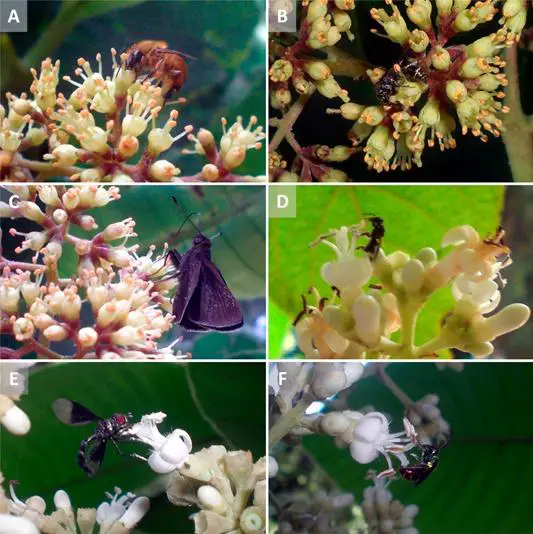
435 87
118 516
366 433
115 306
96 133
228 487
383 514
377 294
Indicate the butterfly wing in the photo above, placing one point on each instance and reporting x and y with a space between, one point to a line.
213 306
72 413
189 273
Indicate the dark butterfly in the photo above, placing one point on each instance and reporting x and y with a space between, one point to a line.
203 301
92 449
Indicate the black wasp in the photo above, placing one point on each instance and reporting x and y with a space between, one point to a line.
408 68
92 449
426 463
375 236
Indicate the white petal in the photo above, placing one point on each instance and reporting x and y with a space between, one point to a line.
371 427
176 448
363 453
158 465
413 275
10 524
354 271
16 421
506 320
135 512
460 235
62 501
353 371
367 315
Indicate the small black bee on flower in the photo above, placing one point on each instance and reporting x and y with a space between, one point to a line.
408 68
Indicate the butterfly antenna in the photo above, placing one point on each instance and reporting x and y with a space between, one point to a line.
188 218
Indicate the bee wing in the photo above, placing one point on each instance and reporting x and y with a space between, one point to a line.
72 413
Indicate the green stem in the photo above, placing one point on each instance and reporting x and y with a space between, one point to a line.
435 345
518 133
288 421
408 316
51 38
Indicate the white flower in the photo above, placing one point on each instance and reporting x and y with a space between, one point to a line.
168 452
127 509
484 296
348 270
371 438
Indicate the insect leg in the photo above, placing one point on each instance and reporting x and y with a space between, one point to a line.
131 454
82 455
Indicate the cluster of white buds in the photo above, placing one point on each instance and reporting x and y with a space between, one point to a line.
318 513
128 295
384 515
94 134
228 487
118 516
231 153
376 294
426 417
418 96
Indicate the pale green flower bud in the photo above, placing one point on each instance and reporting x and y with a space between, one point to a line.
441 59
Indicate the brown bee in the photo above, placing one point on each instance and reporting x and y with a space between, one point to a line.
156 60
375 236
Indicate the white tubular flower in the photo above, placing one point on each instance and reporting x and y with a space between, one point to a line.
169 452
371 438
126 509
483 296
12 417
348 270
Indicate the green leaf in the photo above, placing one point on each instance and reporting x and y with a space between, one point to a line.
44 460
279 326
415 217
488 407
90 8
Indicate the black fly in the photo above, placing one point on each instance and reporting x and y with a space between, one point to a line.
408 68
92 449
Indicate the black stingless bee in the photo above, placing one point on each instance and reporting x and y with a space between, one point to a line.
375 236
408 68
92 449
427 462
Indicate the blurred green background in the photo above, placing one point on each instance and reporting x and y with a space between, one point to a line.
44 460
482 484
471 161
227 38
237 212
414 217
